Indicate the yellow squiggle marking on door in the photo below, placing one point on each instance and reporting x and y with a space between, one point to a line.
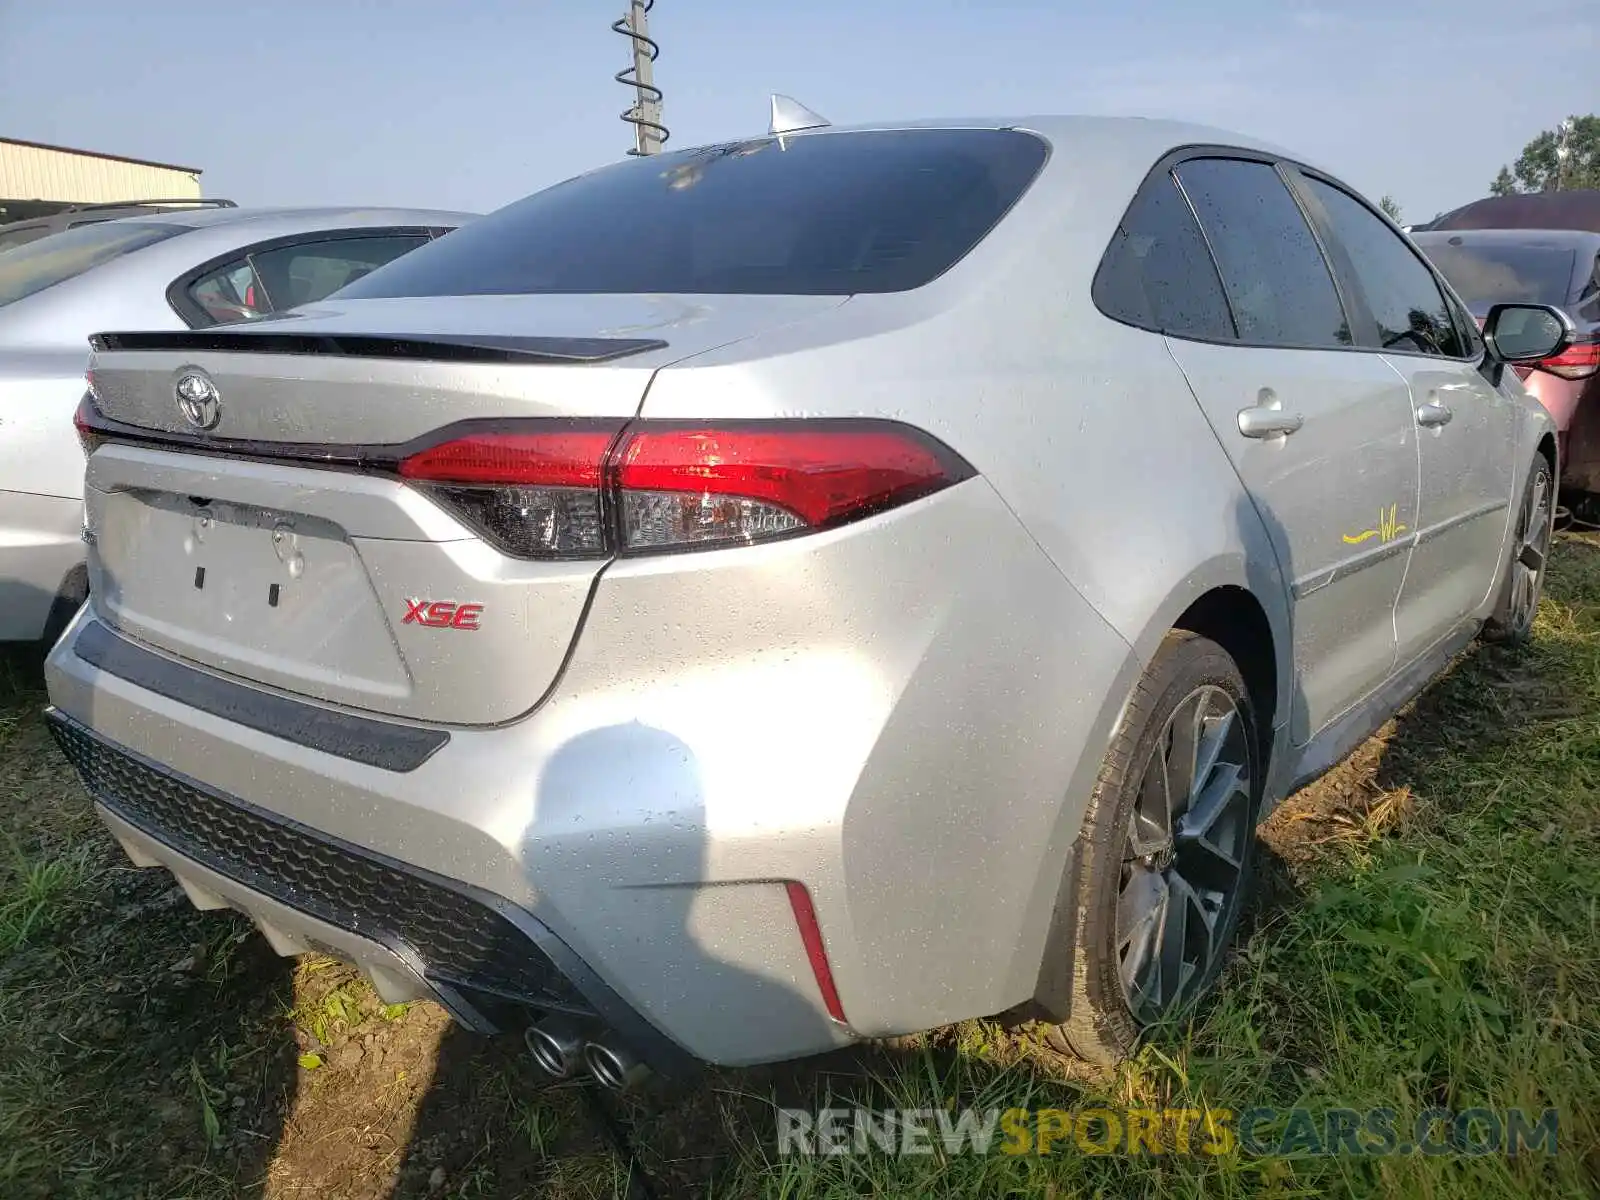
1388 529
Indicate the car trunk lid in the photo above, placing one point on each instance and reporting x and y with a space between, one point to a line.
254 522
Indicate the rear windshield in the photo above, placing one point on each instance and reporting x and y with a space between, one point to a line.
32 267
21 237
827 214
1501 273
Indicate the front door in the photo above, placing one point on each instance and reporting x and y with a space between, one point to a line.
1465 427
1463 423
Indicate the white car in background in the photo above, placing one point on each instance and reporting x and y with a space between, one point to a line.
165 270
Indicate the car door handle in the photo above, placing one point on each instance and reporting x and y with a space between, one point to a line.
1268 420
1433 414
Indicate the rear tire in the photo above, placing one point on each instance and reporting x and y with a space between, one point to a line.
1511 623
69 598
1165 852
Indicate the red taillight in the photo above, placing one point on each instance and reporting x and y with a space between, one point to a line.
583 490
823 476
557 455
533 490
1575 362
82 421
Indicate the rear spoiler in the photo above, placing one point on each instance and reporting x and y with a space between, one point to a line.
433 347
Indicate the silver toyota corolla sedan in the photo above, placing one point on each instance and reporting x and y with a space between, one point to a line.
179 269
742 601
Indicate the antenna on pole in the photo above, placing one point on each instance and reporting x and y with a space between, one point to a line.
1563 151
649 134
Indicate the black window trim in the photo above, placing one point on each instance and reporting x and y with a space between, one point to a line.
196 317
1211 254
1354 306
1471 335
1294 174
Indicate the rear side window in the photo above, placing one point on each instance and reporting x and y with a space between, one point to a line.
1157 273
822 214
308 271
230 292
272 280
1272 268
35 266
1400 291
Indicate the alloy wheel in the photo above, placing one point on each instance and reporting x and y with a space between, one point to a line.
1533 550
1184 854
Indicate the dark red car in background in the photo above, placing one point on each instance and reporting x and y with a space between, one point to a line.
1559 267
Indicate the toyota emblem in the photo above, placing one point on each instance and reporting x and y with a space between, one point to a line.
198 400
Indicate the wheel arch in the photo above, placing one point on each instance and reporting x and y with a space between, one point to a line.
1232 617
1547 447
1241 604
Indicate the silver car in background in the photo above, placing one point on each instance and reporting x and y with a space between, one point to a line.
820 587
178 269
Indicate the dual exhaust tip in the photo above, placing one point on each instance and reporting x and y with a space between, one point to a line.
560 1047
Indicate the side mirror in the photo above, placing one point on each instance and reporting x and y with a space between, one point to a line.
1527 333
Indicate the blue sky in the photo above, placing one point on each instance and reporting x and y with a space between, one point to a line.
475 103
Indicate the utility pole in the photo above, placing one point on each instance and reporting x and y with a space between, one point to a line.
649 134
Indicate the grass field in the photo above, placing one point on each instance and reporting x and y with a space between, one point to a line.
1427 934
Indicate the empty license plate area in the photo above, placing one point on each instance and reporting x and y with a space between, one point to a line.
274 595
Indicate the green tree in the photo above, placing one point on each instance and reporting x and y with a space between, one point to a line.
1391 209
1539 169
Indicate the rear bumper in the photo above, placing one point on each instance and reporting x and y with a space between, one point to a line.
905 717
415 935
40 545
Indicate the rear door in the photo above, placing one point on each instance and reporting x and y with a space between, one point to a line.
1320 433
1465 426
